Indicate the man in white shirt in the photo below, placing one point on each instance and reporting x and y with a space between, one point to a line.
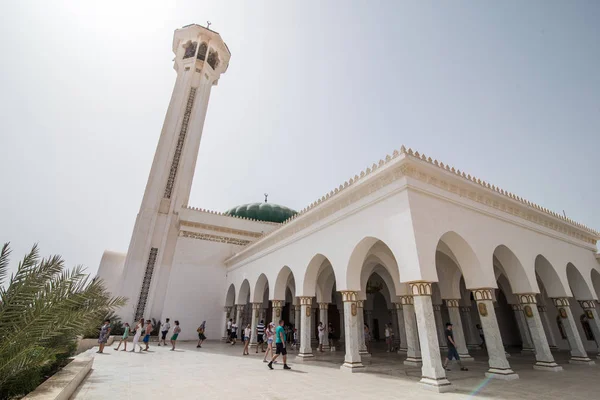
164 329
229 323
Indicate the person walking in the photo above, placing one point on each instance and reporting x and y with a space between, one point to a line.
388 337
452 352
176 332
124 338
164 330
138 332
234 329
331 336
367 337
260 336
280 346
103 337
269 336
229 323
480 330
201 337
247 333
147 335
321 329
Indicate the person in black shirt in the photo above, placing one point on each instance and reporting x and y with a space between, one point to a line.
452 353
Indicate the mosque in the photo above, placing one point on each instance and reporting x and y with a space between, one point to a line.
409 241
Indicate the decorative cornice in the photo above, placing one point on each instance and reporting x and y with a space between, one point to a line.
526 298
586 304
221 229
373 178
482 294
213 238
452 303
348 295
229 216
561 301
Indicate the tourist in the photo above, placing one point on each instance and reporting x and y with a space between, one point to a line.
269 336
124 338
164 330
452 352
331 336
480 330
138 332
367 336
229 323
280 346
295 344
321 336
103 337
247 333
176 331
201 337
234 329
388 337
260 336
147 335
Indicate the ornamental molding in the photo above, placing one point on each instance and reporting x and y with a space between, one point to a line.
277 303
482 294
465 309
305 300
348 295
222 229
527 298
452 303
542 308
240 307
360 303
420 288
406 300
323 306
406 163
145 289
398 306
213 238
516 307
437 307
586 304
561 301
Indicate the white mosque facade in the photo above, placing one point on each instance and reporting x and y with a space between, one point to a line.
409 241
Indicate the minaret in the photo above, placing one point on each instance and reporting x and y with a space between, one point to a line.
201 57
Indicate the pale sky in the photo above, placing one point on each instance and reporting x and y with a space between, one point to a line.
315 92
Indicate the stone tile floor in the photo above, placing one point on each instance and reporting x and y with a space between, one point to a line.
220 371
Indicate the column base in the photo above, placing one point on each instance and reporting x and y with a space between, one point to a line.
581 361
253 345
547 366
440 385
304 357
554 348
364 353
405 350
473 346
352 367
326 347
507 354
527 351
414 361
502 374
466 357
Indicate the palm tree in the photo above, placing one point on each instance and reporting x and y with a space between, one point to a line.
43 307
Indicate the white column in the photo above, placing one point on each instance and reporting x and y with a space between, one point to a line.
238 319
277 307
314 323
547 327
533 324
471 336
401 329
226 315
362 347
352 359
255 314
432 372
323 317
369 315
440 326
413 350
305 351
457 329
499 366
527 346
297 310
342 335
589 307
395 327
578 353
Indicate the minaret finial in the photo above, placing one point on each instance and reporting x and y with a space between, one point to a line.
208 24
266 195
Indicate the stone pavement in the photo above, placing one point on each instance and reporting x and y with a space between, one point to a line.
220 370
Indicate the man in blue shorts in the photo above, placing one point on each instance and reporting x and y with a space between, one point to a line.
452 352
280 345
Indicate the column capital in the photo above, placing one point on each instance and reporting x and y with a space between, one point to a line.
277 303
482 294
297 307
586 304
240 307
420 288
257 306
349 295
516 307
227 309
407 300
542 308
305 300
465 309
360 303
526 298
452 303
437 307
323 306
397 306
561 301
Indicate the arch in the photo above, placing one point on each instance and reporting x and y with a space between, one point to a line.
365 247
379 272
325 285
202 49
190 49
244 292
550 279
595 276
262 285
213 59
467 261
514 271
505 286
580 288
449 276
314 268
282 282
230 297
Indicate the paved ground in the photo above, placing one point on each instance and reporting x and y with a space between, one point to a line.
220 371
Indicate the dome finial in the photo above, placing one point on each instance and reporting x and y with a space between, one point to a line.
266 195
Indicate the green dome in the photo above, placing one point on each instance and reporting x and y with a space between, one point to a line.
269 212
